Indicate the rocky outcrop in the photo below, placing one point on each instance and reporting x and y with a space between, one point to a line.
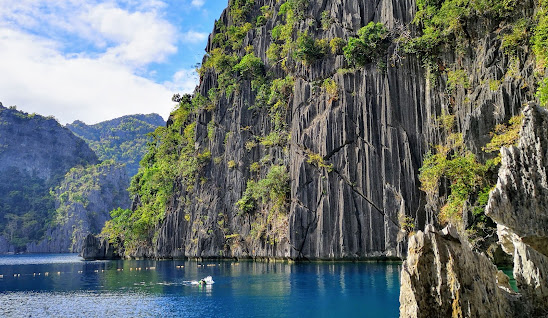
519 205
373 135
5 246
442 277
97 249
84 200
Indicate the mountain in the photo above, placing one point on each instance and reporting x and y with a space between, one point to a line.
35 154
122 139
83 201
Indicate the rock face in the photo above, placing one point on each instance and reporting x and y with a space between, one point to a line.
371 136
94 248
442 277
84 200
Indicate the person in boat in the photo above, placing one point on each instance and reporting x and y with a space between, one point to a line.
202 282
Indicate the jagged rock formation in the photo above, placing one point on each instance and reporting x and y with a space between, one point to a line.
84 200
442 277
95 248
123 139
519 205
35 154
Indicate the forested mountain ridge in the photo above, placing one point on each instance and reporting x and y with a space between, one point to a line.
35 154
121 139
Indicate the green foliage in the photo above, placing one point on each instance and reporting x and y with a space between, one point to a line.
272 191
171 158
457 78
26 205
542 92
504 135
326 20
331 88
275 138
232 164
211 130
468 179
337 45
462 171
250 66
273 53
371 44
123 140
519 37
318 161
494 85
240 9
309 50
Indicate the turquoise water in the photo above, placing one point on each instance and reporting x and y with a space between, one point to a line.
66 286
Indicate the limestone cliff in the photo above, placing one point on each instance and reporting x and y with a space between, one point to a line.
279 100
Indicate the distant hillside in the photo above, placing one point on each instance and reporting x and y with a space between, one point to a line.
122 139
84 200
35 154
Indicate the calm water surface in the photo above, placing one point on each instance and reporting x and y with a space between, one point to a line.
66 286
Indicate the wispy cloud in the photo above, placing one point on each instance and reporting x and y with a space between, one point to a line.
194 37
197 3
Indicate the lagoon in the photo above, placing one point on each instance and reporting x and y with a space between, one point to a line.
63 285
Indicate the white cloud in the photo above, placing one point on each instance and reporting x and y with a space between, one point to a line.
139 37
197 3
39 79
184 81
194 37
54 72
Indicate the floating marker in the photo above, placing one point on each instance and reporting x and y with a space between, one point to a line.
1 276
58 273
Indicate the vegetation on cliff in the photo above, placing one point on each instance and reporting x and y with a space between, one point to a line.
122 139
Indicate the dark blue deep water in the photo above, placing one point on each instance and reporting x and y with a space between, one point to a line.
66 286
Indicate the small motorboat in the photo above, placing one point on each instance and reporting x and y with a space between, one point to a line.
204 281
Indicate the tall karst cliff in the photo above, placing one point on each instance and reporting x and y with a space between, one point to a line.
312 119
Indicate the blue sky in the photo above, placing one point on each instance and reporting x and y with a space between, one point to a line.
95 60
